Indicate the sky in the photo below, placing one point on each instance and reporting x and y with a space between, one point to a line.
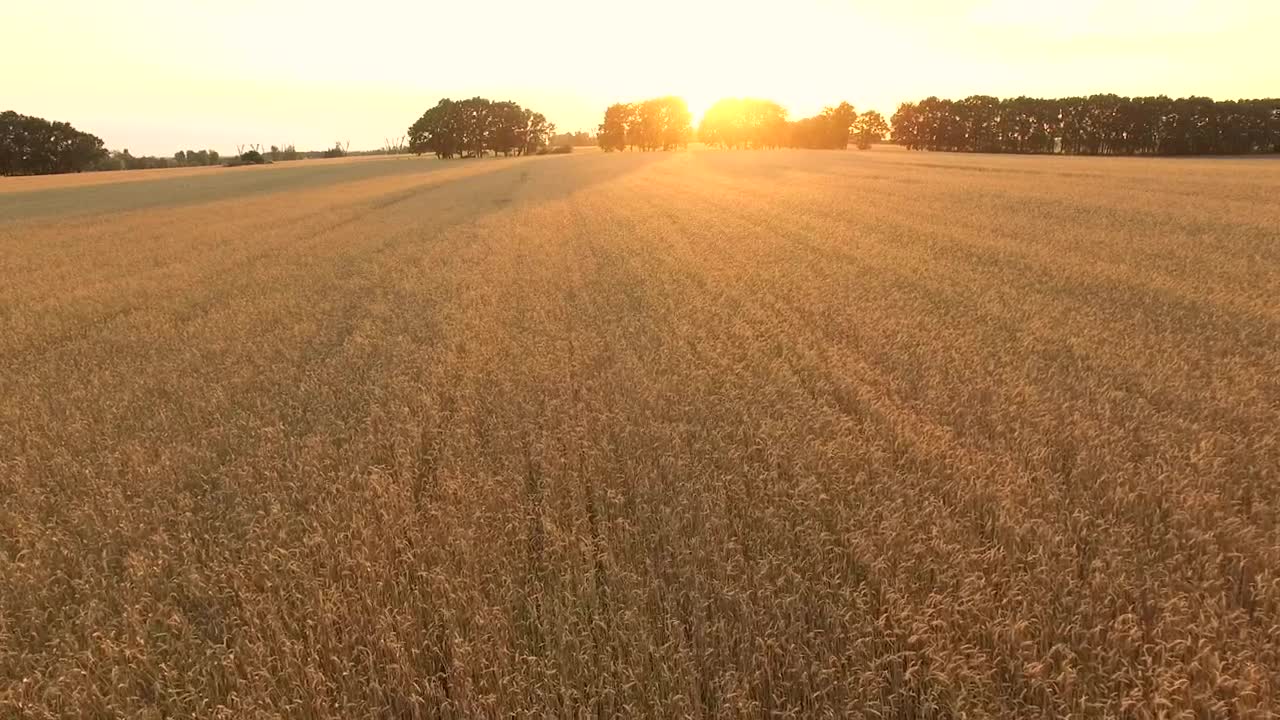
156 76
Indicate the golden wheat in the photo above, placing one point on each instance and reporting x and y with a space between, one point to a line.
708 434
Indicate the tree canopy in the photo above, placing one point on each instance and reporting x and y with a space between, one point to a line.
828 130
124 160
870 127
474 127
1094 125
35 146
662 123
744 123
752 123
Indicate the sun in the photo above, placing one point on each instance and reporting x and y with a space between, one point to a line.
699 104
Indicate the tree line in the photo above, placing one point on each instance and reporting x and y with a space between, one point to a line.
35 146
662 123
755 123
1094 125
748 123
475 127
574 139
124 160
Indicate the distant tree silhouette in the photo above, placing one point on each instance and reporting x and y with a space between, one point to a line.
645 129
662 123
573 139
839 120
828 130
748 123
124 160
535 133
35 146
191 158
612 133
870 127
1094 125
752 123
506 120
677 122
475 127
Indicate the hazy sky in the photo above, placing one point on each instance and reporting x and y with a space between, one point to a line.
156 76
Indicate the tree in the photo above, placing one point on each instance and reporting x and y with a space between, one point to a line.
1094 125
828 130
722 124
839 120
907 130
676 122
869 128
612 133
662 123
745 123
754 123
477 126
645 130
438 130
536 133
508 126
35 146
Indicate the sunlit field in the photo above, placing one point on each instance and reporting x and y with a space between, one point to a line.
697 434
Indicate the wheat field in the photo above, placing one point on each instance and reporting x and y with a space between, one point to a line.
693 435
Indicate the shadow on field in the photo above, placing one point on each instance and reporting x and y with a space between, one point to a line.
538 178
547 179
196 189
507 185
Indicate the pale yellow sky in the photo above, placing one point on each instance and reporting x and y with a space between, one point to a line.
156 76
